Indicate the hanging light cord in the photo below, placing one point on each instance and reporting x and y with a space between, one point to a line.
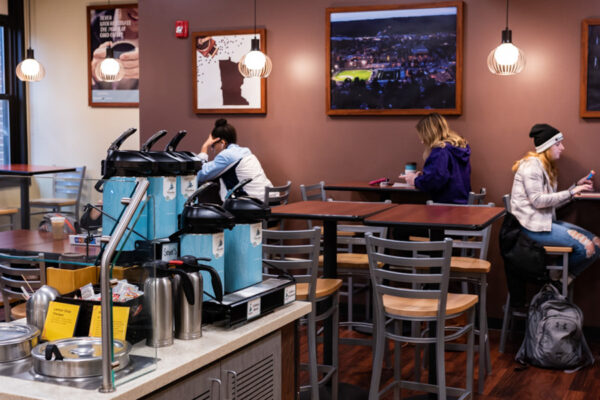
29 23
254 18
506 14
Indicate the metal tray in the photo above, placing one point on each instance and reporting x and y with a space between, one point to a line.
16 341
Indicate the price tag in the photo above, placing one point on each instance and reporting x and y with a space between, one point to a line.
253 308
289 294
60 321
120 319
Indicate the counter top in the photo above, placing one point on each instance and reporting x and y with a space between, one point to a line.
176 361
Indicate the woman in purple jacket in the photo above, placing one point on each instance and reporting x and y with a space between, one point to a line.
446 176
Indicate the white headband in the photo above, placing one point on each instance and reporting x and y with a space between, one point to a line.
549 143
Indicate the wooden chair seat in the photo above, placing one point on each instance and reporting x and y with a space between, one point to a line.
52 202
340 233
456 303
18 311
469 264
8 211
325 287
350 261
558 249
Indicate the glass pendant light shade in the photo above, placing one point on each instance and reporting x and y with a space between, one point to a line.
506 59
255 63
30 70
110 69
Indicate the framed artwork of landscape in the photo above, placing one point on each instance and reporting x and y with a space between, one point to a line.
589 102
394 59
219 87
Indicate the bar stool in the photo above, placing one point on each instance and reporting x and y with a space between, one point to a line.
296 253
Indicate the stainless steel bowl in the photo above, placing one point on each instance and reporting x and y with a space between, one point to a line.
16 341
82 357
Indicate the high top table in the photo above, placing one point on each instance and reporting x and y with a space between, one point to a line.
24 172
35 241
402 192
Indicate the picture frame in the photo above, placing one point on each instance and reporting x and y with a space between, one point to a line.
218 86
589 92
394 59
116 26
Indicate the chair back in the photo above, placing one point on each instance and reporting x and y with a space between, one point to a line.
412 276
506 200
469 241
347 243
69 184
296 253
277 195
313 192
477 198
18 272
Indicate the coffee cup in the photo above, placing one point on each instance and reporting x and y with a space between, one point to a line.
58 227
410 169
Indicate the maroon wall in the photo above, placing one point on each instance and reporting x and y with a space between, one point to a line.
295 140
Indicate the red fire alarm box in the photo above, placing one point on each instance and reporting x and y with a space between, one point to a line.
181 29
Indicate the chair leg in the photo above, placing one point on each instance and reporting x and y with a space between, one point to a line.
334 345
414 328
484 355
379 338
440 362
350 299
397 355
470 343
505 321
312 355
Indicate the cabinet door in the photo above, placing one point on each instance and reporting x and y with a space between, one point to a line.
254 372
203 385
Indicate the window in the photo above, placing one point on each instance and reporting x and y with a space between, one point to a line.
13 129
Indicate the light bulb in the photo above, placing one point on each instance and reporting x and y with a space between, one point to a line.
506 54
255 60
30 67
109 66
110 69
30 70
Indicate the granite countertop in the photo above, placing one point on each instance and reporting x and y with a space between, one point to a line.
176 361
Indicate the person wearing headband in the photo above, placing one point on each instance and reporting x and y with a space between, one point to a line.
534 198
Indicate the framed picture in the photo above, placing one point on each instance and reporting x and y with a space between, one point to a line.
589 101
115 26
394 59
219 87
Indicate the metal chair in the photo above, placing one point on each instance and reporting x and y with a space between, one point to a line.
66 192
558 252
415 289
18 272
477 198
10 212
276 196
296 253
313 192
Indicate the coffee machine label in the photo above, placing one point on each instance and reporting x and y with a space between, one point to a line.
169 251
188 185
218 245
169 187
253 308
289 294
256 234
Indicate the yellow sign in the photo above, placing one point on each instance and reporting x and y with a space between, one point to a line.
60 321
120 318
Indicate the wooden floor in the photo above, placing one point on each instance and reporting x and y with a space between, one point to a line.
507 380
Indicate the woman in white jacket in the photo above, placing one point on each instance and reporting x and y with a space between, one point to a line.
534 198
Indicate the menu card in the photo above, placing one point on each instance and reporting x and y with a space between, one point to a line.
60 321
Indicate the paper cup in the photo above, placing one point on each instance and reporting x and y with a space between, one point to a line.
58 227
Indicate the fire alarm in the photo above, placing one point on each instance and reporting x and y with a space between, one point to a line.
181 29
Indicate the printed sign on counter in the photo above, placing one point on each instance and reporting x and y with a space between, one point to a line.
120 318
60 321
253 308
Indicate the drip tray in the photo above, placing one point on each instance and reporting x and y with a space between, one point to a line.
23 369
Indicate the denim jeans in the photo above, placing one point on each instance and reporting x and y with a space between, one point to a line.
585 244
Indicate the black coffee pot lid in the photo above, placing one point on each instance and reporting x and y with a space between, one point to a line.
246 209
166 163
192 161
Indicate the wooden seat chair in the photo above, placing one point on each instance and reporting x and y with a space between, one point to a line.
18 272
415 290
66 192
561 255
276 196
10 213
297 252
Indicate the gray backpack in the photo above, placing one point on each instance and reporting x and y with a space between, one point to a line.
553 337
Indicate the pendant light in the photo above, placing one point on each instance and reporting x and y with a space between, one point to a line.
506 59
30 69
255 63
110 69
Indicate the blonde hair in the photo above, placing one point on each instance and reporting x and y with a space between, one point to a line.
547 163
433 130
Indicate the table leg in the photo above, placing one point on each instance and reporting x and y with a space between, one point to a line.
25 214
330 271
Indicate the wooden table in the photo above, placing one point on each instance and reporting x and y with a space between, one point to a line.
24 172
408 193
330 212
34 241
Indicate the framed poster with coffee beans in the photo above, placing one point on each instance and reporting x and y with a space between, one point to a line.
218 85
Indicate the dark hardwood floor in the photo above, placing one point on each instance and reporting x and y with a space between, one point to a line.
507 380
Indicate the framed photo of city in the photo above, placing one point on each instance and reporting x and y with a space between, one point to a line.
115 26
589 92
219 87
395 59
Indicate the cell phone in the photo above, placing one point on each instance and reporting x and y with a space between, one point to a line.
377 181
122 47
